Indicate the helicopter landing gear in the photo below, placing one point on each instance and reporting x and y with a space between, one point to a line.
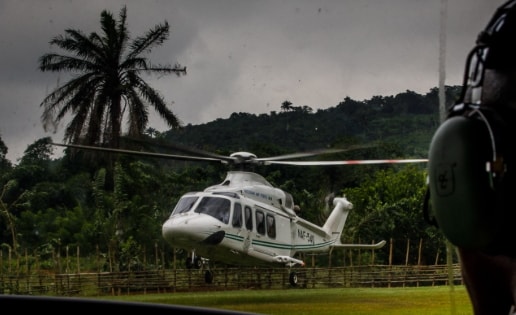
208 276
292 278
194 262
198 262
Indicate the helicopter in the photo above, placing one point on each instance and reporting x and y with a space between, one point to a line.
245 220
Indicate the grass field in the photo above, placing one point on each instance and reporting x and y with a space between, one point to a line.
354 301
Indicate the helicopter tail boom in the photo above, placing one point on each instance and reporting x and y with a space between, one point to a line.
335 224
361 246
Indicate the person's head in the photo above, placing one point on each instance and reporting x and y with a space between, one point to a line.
472 159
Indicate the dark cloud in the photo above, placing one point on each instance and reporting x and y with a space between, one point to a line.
246 56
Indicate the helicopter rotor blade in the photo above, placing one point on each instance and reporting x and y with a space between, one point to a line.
182 148
311 153
239 158
142 153
349 162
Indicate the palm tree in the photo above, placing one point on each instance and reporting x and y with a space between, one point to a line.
286 106
5 164
106 87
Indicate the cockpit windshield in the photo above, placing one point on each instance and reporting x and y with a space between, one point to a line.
184 204
219 208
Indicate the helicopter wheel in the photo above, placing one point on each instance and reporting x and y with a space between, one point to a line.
208 277
293 278
198 262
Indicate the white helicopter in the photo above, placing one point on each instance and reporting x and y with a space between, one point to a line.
244 220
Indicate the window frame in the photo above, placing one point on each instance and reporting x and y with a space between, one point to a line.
248 218
237 214
260 222
270 223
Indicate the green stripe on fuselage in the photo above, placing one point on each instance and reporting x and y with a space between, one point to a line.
280 245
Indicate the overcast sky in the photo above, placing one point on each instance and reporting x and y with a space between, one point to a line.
245 56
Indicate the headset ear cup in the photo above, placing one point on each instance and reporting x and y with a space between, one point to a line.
461 194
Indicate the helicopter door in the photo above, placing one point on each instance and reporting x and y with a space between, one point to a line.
260 222
236 221
271 226
248 219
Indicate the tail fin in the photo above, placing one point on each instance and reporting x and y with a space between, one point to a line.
335 224
337 219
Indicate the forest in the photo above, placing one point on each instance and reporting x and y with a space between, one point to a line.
115 204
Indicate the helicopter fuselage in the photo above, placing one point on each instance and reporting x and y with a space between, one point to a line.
244 219
246 222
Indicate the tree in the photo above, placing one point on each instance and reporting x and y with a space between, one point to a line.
387 205
286 106
10 219
109 86
38 152
5 165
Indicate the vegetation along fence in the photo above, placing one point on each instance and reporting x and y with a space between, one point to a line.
65 273
181 280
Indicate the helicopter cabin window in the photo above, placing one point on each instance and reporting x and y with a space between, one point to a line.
218 208
260 222
184 205
237 215
248 218
271 226
289 201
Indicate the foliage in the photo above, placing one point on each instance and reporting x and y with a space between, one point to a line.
108 86
5 164
388 205
66 202
380 120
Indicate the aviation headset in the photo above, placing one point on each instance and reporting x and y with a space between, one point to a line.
471 168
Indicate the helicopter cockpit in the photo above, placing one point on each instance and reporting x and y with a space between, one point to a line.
184 205
215 206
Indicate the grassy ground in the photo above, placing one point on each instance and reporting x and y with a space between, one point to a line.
350 301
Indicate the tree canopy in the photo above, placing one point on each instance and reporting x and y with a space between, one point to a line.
48 203
107 87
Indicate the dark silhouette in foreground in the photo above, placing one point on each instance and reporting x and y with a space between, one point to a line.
472 169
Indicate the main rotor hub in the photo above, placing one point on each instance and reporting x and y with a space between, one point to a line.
243 157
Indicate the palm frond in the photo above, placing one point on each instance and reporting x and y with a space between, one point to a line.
107 76
152 38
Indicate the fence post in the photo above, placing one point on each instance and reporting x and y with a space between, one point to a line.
359 254
372 254
144 258
407 252
420 251
67 268
390 251
390 261
78 252
9 260
58 258
110 258
156 254
97 258
329 267
406 263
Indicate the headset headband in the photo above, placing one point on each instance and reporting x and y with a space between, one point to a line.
494 50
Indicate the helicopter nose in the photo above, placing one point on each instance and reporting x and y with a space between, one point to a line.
215 238
188 231
176 231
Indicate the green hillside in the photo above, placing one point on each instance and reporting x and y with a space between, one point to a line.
401 125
